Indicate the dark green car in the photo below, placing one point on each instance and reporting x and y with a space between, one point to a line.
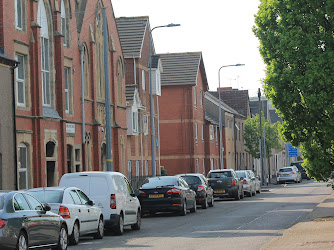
26 223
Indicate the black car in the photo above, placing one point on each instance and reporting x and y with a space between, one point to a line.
199 183
226 184
298 164
26 223
166 194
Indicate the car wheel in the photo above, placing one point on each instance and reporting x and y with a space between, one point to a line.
74 237
120 225
254 193
237 196
259 190
63 239
211 202
183 211
194 208
242 195
138 223
249 194
22 241
100 229
205 203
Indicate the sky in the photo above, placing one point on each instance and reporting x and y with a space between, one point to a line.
221 29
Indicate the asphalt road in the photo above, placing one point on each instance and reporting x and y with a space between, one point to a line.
230 224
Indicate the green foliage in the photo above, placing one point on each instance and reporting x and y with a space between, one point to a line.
297 45
252 137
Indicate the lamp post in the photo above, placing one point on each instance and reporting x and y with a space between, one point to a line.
151 96
220 116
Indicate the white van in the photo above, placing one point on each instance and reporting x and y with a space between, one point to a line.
112 193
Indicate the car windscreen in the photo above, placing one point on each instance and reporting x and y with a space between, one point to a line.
241 174
2 200
191 180
48 196
285 170
159 182
221 174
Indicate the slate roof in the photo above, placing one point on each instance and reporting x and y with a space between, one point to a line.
254 107
236 99
131 31
181 68
6 59
274 117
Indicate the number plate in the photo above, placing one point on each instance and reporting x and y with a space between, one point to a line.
285 174
219 191
156 196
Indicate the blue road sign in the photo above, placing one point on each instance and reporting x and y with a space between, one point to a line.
292 151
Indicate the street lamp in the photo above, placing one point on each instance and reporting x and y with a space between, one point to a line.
220 116
151 96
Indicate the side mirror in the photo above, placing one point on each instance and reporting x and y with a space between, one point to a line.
241 178
253 179
46 207
91 203
136 192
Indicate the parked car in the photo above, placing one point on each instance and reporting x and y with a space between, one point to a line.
112 193
225 184
80 213
200 184
298 164
289 174
248 184
26 223
256 179
166 194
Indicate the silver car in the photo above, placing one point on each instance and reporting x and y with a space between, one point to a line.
26 223
79 212
288 174
256 180
248 183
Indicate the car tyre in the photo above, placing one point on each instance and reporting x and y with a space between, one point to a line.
242 195
74 237
194 208
63 239
119 230
138 223
205 203
183 211
211 202
259 190
237 196
254 193
22 241
249 194
100 229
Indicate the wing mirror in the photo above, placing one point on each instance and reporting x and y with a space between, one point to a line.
91 203
241 178
253 179
136 192
46 207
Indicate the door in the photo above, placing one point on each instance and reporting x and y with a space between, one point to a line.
131 204
80 209
92 214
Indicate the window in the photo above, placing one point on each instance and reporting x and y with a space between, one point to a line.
20 203
201 97
228 129
143 82
211 164
197 166
212 135
217 163
196 138
85 200
137 168
67 89
146 168
145 124
63 21
202 129
195 104
20 81
216 132
35 204
19 14
129 170
23 166
203 163
119 79
75 197
135 121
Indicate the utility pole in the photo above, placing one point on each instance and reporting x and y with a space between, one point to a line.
260 140
107 93
264 151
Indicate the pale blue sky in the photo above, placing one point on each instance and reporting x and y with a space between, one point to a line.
221 29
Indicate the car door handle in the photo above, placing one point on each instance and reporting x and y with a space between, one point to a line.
88 210
79 210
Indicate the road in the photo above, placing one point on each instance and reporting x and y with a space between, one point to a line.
230 224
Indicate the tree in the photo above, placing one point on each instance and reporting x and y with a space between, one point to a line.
252 137
297 46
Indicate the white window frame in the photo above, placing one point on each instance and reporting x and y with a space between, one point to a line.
22 169
212 133
19 20
46 71
137 168
129 170
195 101
211 164
203 163
135 121
63 22
20 81
197 166
201 97
143 81
67 79
196 134
202 128
145 124
146 168
228 129
216 134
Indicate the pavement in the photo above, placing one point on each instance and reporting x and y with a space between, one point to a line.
315 231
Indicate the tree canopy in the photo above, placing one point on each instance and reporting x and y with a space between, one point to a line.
297 45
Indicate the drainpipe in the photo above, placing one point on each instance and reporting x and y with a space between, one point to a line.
158 133
81 50
14 120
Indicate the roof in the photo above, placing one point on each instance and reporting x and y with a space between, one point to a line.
131 31
254 107
274 117
212 103
4 59
182 68
47 188
236 99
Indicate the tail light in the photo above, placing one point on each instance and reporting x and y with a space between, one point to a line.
113 201
293 173
3 223
245 181
173 191
200 188
141 192
234 182
64 212
278 174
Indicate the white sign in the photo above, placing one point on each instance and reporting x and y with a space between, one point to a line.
70 128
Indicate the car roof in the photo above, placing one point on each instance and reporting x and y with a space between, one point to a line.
190 174
49 188
88 173
219 170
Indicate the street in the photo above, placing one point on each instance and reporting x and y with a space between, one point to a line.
230 224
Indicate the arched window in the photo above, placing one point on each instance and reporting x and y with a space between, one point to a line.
63 22
23 166
86 71
119 79
100 79
42 19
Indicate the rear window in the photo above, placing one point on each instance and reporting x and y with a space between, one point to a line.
222 174
159 182
191 180
2 201
48 196
241 174
285 170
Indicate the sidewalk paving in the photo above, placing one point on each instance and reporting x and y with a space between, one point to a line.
316 231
